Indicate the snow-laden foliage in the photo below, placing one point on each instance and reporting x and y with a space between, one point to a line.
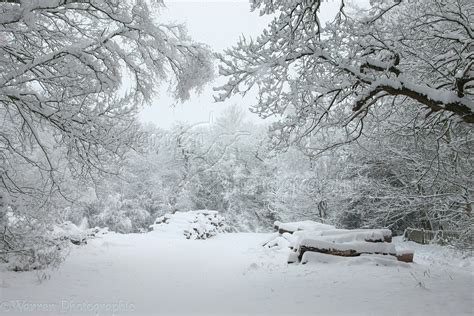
393 83
417 175
328 78
408 178
215 166
117 213
73 75
41 248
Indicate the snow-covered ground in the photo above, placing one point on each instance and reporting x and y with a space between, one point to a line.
231 274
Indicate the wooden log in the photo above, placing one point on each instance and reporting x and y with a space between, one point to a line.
352 249
281 231
386 238
379 235
405 255
275 226
306 225
336 252
345 235
78 242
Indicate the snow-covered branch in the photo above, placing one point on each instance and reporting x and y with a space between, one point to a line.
73 75
404 51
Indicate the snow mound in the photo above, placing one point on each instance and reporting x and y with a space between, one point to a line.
200 224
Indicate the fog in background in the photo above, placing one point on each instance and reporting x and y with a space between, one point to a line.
218 24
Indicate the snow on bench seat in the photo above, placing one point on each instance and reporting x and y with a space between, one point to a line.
347 249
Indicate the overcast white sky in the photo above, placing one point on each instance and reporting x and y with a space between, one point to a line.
219 24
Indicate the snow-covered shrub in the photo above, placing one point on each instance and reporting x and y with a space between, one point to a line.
115 220
200 224
33 246
96 231
122 216
69 231
29 244
39 256
139 218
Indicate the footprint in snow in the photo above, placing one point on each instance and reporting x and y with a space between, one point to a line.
251 267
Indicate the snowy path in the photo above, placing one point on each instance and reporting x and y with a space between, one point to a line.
232 274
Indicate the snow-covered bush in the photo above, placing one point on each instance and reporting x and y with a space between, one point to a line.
47 253
200 224
30 244
122 216
46 248
69 231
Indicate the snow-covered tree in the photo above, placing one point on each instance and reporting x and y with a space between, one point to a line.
412 175
76 71
66 68
73 74
393 82
317 78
